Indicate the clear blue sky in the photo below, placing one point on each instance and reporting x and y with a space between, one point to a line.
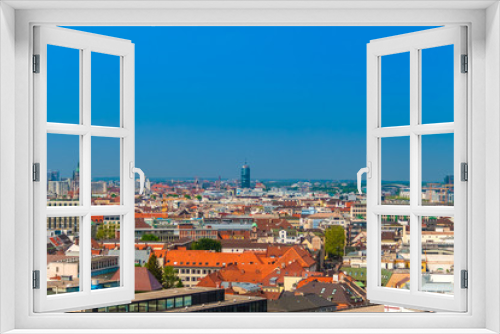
291 100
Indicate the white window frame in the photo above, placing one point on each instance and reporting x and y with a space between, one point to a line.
85 43
414 43
483 20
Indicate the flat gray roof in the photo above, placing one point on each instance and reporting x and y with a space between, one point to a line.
229 300
171 293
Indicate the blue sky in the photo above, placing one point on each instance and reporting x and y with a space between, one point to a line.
290 100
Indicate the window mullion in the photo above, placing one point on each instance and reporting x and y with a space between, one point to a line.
86 173
415 168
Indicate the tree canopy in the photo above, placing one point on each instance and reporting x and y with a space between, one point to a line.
170 278
207 244
335 241
105 232
149 237
154 268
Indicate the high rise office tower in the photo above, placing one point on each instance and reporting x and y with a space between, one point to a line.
53 175
76 173
449 179
75 185
245 176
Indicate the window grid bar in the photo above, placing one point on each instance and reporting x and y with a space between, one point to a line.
77 129
73 211
85 176
415 167
422 129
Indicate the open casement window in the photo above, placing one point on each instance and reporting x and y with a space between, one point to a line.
416 125
84 105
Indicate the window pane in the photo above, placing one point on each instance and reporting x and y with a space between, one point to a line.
438 254
162 305
105 89
437 84
106 252
170 303
63 85
143 306
152 305
63 170
395 171
179 302
395 251
395 89
105 171
437 169
63 257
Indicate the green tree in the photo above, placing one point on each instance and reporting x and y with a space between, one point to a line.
149 237
207 244
110 232
187 196
100 235
170 278
198 197
335 242
154 268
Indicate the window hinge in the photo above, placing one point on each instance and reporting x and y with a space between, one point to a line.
36 63
465 64
36 172
36 279
465 279
464 167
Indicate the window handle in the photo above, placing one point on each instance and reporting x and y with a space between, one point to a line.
142 178
368 171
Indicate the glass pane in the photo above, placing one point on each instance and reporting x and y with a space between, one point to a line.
437 169
438 254
63 85
105 89
395 171
152 305
395 89
143 306
395 251
63 170
170 303
162 305
63 257
106 252
106 229
105 171
437 84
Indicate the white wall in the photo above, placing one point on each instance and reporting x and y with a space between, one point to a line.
492 162
7 160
